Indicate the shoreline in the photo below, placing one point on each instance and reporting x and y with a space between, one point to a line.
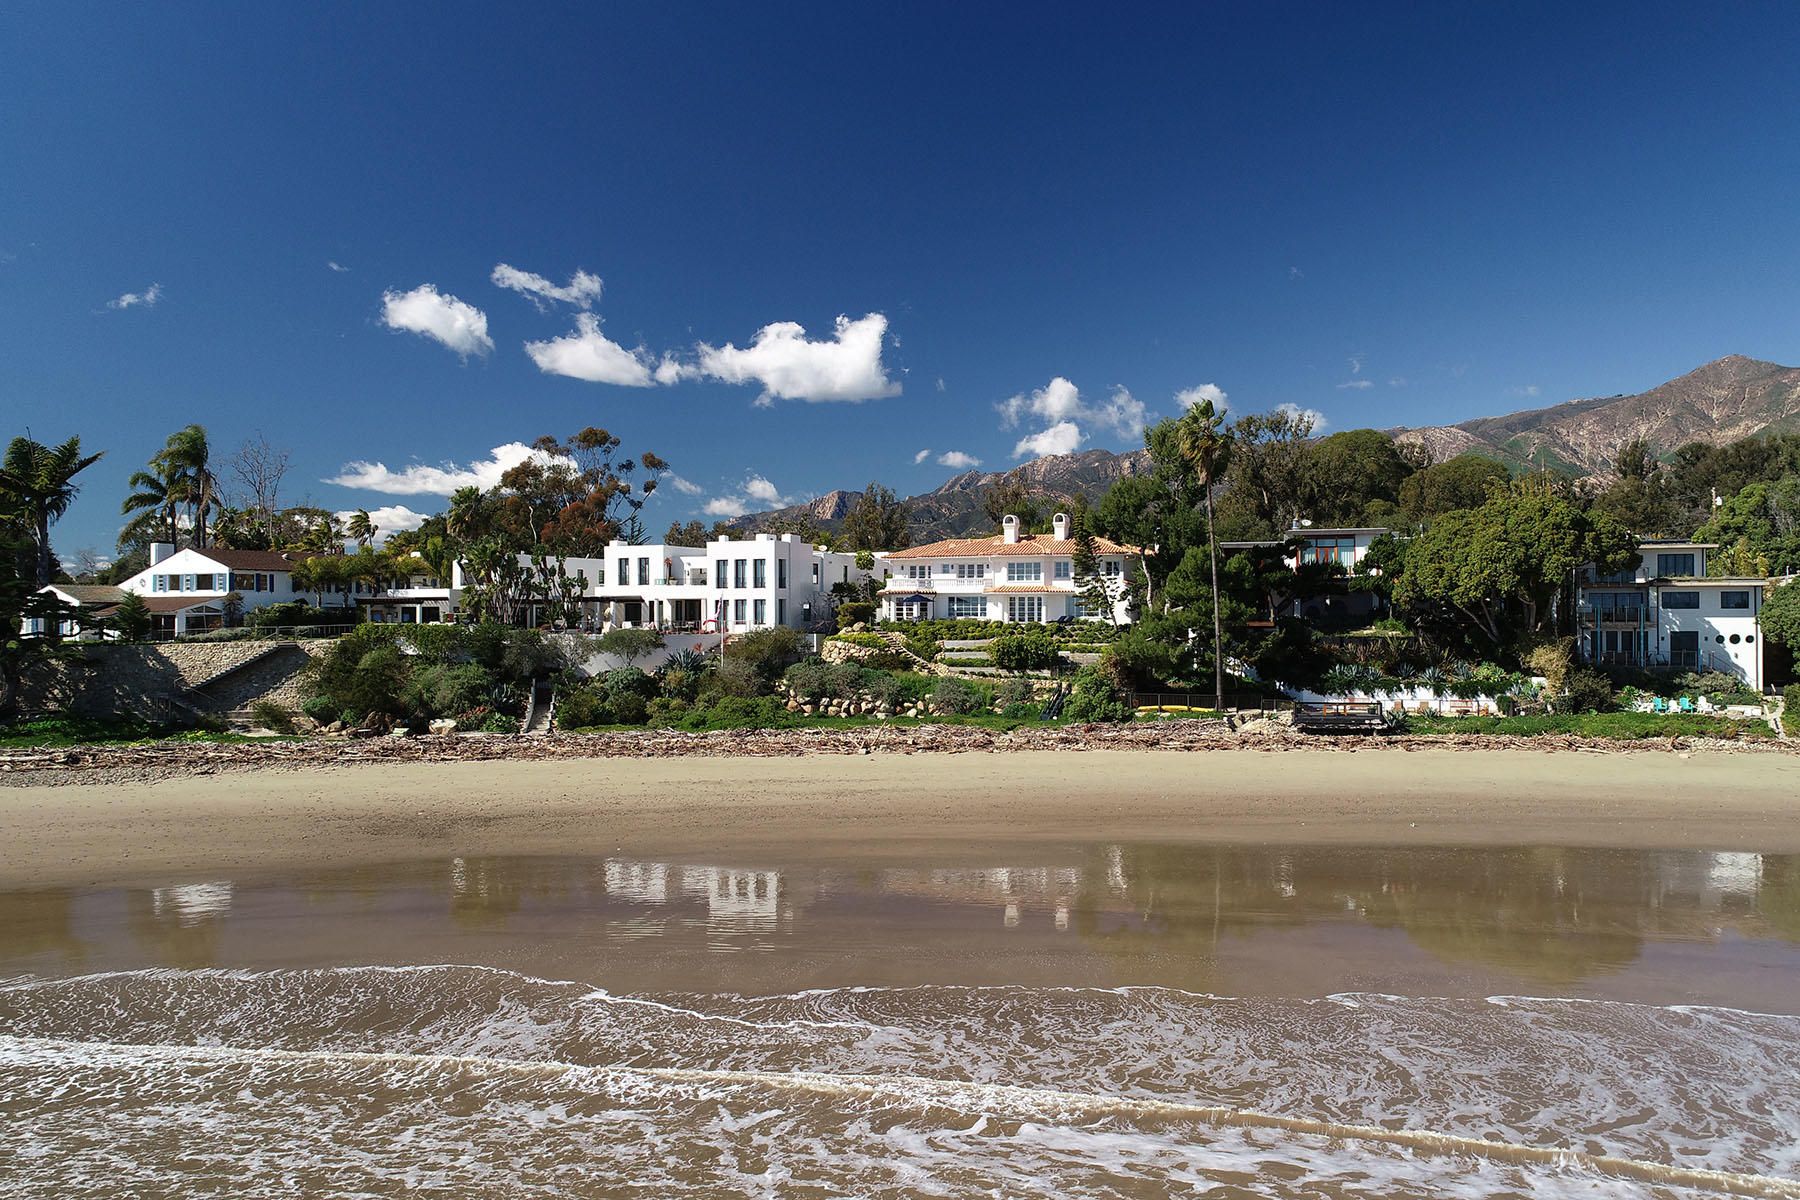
853 808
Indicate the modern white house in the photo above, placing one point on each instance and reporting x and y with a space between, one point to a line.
1664 611
729 585
1013 576
1346 547
418 597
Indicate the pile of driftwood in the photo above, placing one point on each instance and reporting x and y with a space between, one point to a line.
163 759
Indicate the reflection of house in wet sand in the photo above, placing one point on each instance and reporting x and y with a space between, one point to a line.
191 903
1018 892
742 905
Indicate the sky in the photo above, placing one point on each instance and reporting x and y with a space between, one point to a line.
795 248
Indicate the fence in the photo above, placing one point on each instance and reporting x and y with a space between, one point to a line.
1191 700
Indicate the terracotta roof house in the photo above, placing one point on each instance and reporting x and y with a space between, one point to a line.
1013 576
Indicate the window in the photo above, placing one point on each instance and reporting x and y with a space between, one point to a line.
781 605
737 577
643 572
1111 568
971 570
762 611
719 572
624 571
762 575
737 612
1024 608
1674 566
917 570
1024 572
1734 599
781 575
187 584
1324 550
815 574
1681 599
946 568
1064 569
159 583
968 607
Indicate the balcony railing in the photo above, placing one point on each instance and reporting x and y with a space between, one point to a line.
1620 614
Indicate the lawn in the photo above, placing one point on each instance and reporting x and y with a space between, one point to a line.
1622 726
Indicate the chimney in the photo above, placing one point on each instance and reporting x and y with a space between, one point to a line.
160 551
1059 525
1009 529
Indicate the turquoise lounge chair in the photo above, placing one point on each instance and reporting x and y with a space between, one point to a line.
1687 704
1659 705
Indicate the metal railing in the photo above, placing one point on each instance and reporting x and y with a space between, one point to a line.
1191 700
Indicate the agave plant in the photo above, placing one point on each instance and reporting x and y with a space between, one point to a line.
690 661
1432 679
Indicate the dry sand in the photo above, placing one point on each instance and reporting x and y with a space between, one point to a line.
843 808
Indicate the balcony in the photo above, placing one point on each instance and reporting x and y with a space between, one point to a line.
1635 615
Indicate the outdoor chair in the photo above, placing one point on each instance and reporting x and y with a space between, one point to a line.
1687 704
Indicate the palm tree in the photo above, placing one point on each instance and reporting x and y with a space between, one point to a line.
464 514
156 500
186 460
38 483
361 528
1205 447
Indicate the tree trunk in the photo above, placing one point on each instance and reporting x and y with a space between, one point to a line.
1212 549
43 547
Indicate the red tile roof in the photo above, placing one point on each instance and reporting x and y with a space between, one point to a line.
1029 545
251 560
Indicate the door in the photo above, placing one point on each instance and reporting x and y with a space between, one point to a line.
1684 649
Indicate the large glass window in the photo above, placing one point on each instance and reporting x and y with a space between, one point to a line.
1025 608
1325 550
737 577
1024 572
1064 569
643 572
781 575
968 607
1681 599
1674 566
762 575
1735 600
762 611
737 612
624 572
719 572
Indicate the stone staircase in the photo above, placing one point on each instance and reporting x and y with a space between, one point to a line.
236 687
926 666
542 711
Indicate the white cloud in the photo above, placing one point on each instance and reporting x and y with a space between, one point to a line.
591 355
1296 273
921 456
957 459
1059 401
1062 438
940 383
442 317
1397 381
337 266
1530 389
146 298
755 493
1356 362
1188 397
582 289
686 487
389 519
726 506
758 488
1359 385
1311 414
790 366
418 479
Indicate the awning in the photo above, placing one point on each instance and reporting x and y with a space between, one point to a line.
915 597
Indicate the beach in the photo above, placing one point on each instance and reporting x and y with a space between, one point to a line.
1335 973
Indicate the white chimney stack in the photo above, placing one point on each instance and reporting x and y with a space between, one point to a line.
160 551
1060 525
1009 529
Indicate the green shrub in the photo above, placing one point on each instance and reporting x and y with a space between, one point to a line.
1790 708
628 681
273 716
734 677
966 660
1718 687
1093 697
1615 725
740 712
768 652
1031 649
322 709
437 690
957 697
962 629
1587 691
1014 692
628 644
855 612
584 706
924 647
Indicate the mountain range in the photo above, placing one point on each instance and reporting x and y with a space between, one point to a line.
1727 399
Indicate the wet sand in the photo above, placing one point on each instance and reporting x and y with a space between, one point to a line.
847 808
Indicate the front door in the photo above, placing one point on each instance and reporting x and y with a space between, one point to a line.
1684 650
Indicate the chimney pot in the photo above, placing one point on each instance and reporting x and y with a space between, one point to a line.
1009 529
1060 523
160 551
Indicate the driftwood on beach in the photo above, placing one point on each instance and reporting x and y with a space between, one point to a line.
162 759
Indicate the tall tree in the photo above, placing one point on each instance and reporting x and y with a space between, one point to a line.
1460 482
259 469
186 462
877 521
37 485
1205 447
1349 472
154 506
1265 486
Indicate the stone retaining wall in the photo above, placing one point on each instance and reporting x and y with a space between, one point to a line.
153 681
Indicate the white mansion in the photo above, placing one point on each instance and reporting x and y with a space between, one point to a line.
1010 577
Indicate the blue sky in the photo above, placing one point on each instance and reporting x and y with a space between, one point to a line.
1391 215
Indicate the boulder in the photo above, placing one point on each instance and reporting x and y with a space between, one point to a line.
441 726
